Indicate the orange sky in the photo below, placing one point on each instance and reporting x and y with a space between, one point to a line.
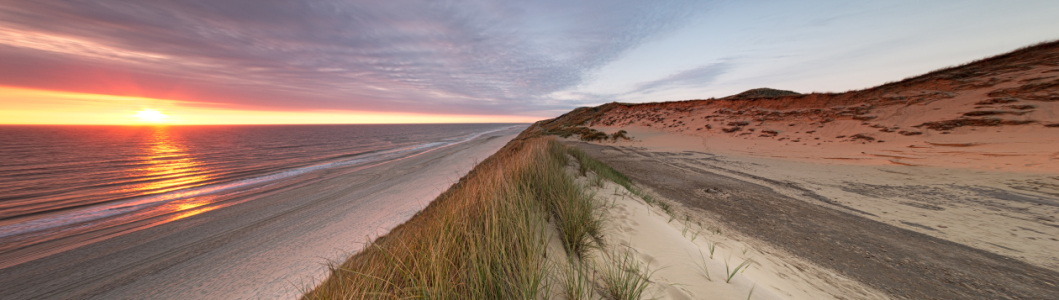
34 106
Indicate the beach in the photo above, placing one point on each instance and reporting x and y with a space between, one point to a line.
276 246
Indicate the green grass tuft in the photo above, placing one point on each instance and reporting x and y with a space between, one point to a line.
575 283
587 163
705 269
731 272
624 278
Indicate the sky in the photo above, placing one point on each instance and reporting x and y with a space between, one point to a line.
324 61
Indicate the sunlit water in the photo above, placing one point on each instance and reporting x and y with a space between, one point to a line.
62 181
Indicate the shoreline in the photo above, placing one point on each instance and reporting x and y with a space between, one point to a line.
271 247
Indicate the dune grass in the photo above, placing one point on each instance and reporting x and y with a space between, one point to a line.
575 284
623 277
603 171
484 238
576 214
703 265
730 273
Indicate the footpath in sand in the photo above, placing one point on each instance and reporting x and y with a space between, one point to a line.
687 255
843 231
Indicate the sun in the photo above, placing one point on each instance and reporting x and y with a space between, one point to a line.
150 115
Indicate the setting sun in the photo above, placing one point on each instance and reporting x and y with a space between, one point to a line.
150 115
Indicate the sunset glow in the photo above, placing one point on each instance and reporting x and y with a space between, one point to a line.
32 106
364 62
150 115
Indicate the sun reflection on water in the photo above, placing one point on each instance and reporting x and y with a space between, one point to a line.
168 166
184 210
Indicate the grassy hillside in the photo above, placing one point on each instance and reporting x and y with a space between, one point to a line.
484 238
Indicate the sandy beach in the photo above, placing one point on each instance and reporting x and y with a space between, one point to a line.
276 246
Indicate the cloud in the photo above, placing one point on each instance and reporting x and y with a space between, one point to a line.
697 77
692 78
479 57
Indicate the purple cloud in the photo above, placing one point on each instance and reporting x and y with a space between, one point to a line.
468 57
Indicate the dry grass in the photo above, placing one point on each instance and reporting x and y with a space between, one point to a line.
484 238
587 134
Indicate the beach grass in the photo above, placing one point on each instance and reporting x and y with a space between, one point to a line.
730 273
576 214
703 265
624 278
574 282
484 238
587 163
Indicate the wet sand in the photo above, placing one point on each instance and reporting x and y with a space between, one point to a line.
274 245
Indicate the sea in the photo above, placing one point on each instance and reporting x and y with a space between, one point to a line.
62 181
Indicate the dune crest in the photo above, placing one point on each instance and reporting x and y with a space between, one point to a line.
997 113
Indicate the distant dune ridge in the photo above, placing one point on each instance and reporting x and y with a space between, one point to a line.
995 106
762 93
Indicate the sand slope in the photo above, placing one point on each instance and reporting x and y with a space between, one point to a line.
677 250
1000 113
944 185
920 238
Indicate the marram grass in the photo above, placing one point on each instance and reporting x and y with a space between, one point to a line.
484 238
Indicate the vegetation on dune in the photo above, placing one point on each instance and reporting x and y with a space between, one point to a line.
764 104
587 163
624 278
762 93
484 238
574 123
588 134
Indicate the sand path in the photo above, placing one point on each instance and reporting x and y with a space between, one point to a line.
273 246
920 234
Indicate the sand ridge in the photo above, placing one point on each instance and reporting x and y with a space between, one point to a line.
940 128
999 113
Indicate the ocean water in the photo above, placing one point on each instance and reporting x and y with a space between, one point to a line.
63 181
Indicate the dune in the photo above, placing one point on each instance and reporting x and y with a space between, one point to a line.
1000 106
944 185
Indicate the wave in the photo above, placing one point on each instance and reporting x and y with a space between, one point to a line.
121 207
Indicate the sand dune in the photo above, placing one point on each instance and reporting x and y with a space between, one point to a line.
996 114
931 187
